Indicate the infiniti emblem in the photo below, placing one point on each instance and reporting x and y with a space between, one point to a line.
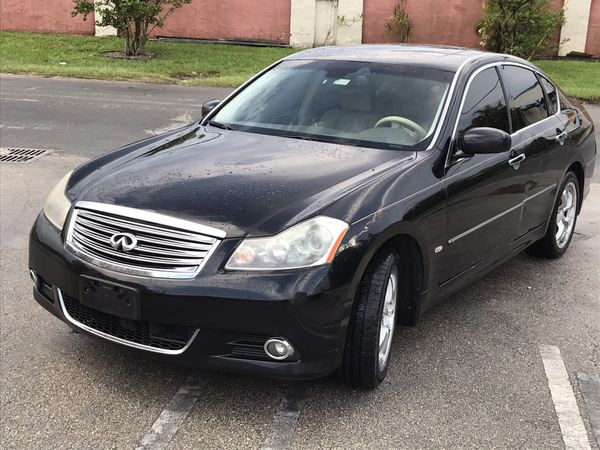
123 241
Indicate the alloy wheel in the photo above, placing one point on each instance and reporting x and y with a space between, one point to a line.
565 215
388 319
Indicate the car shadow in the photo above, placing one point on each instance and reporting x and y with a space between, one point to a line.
455 339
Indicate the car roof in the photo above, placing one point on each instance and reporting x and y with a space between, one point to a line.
430 56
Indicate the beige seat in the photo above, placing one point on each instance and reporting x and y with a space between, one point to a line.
354 112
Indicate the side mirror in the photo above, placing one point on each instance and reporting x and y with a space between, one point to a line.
209 106
485 140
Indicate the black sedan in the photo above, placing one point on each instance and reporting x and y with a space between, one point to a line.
338 193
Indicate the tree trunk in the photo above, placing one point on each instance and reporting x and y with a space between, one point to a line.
128 48
136 36
136 39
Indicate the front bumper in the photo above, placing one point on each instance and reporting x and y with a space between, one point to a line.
229 314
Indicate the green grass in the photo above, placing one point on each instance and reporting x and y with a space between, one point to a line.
181 63
579 79
200 64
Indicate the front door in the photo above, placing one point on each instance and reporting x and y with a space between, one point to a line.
484 192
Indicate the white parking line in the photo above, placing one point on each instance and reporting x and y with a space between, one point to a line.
571 424
171 418
286 419
32 100
97 99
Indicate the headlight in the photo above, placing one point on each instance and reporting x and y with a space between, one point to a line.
310 243
57 204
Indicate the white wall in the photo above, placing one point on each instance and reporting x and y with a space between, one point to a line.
325 22
302 23
574 31
350 22
104 31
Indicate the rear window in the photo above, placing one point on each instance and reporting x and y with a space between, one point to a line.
526 98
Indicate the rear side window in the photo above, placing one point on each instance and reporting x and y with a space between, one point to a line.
526 98
485 104
552 96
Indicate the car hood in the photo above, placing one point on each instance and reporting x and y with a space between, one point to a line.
241 183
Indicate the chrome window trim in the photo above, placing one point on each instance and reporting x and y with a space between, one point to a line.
497 216
438 113
440 124
535 71
118 340
453 140
149 216
448 100
542 132
466 91
453 136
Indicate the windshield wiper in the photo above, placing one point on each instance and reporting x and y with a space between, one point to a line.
222 126
329 140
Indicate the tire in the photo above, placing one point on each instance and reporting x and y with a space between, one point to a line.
555 243
363 365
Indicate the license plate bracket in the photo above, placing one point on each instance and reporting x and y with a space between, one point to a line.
111 298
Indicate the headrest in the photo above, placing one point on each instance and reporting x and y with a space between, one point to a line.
359 99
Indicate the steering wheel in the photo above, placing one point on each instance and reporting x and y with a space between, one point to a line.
402 122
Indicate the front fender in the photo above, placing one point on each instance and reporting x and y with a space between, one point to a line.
410 204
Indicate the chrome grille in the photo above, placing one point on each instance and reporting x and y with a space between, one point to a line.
166 247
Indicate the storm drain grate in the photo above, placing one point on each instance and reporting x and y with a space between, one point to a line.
21 155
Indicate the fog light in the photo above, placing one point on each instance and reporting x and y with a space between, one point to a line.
34 278
278 349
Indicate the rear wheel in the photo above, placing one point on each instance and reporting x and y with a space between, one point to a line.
373 321
562 221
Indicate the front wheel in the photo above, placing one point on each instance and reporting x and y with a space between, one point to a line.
373 321
562 221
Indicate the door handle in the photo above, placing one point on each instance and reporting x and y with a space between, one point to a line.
516 161
561 137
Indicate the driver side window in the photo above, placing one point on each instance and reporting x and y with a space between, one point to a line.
485 104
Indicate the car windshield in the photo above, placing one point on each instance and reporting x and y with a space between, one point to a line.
357 103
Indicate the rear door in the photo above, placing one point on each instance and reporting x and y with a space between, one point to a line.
536 133
569 130
485 191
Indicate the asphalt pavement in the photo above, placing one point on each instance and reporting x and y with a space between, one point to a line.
472 374
88 118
